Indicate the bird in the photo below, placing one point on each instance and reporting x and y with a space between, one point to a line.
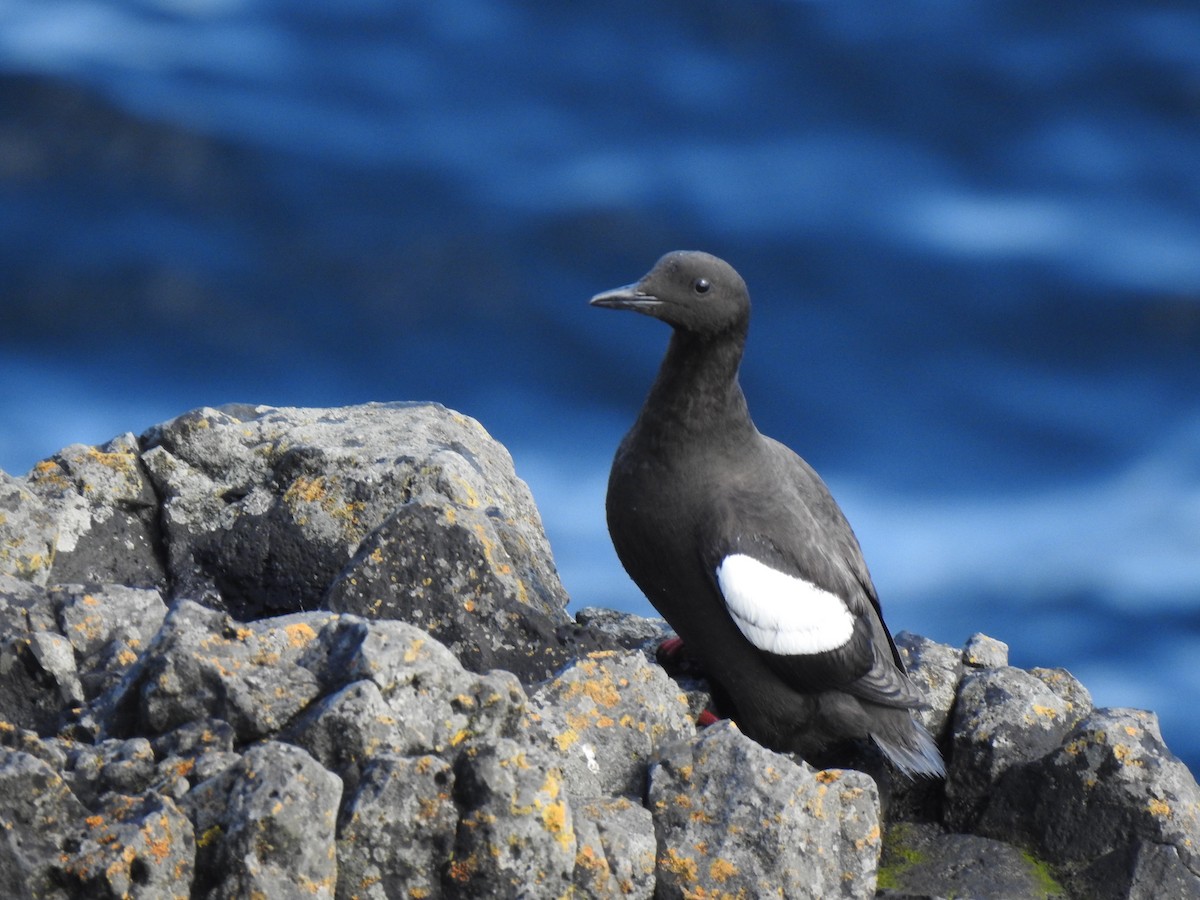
740 546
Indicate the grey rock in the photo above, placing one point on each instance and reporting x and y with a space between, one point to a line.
406 694
479 743
53 751
31 695
1098 804
194 752
346 730
52 846
311 484
396 832
983 652
24 607
204 665
266 826
624 630
108 626
55 656
925 861
40 820
193 739
1157 871
732 816
1076 698
446 569
131 847
124 767
609 715
516 834
935 669
37 680
62 645
28 532
1004 717
615 849
87 514
401 510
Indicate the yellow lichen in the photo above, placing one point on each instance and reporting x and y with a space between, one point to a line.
722 870
414 650
300 634
566 740
683 866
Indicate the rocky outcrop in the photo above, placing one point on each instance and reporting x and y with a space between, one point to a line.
279 652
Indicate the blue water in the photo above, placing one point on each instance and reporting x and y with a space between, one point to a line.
971 232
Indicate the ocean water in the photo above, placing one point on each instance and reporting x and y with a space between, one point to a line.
971 233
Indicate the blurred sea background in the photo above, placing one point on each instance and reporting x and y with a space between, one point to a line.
971 232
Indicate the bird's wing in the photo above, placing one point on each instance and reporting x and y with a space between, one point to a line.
814 637
793 581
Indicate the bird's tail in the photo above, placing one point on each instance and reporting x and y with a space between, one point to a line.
906 744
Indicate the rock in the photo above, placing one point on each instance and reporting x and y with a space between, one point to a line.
28 532
132 847
448 572
312 484
36 680
925 861
624 631
86 514
616 849
40 823
64 645
107 626
265 827
936 669
516 835
406 694
194 752
1110 806
983 652
204 665
609 715
404 511
1004 717
735 818
396 832
124 767
53 846
171 689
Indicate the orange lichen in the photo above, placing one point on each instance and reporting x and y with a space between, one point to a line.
300 634
677 864
722 870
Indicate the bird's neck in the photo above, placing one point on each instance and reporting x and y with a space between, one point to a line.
697 386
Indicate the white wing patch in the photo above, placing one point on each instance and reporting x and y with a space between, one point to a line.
781 613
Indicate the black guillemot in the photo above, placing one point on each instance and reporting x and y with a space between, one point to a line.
738 543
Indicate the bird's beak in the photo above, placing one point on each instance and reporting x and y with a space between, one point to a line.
628 297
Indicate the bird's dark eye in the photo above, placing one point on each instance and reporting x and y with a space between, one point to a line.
701 285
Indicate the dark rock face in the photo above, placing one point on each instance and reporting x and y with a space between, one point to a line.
277 653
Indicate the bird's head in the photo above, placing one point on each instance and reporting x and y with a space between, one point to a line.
691 291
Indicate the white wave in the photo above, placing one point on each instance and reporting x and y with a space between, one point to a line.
1129 539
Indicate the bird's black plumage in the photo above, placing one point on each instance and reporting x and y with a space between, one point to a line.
738 543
